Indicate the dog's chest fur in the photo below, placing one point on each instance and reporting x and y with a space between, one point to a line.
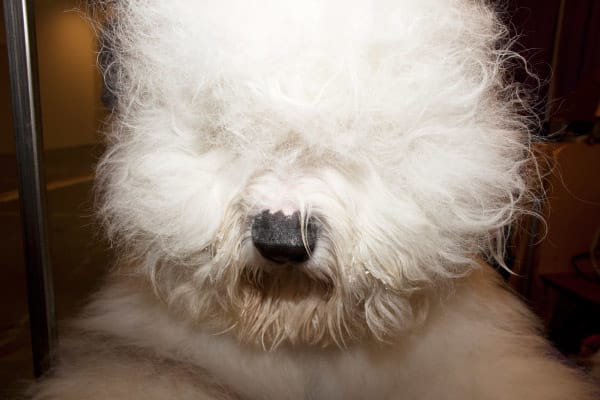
245 371
479 329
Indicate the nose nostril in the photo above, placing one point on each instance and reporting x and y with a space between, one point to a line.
280 238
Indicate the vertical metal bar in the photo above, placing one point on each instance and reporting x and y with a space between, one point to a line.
22 57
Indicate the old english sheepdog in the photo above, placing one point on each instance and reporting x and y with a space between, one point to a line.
300 192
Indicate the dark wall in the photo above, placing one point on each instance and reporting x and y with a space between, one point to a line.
574 82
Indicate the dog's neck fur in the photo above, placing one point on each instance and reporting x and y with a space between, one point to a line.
367 371
248 370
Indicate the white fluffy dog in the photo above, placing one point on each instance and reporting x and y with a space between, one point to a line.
299 191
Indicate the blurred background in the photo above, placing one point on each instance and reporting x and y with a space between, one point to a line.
555 265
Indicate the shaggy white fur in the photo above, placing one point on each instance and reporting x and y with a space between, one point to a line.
392 124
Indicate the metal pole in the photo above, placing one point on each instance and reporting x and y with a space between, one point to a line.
22 58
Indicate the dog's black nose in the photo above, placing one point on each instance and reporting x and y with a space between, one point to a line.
279 237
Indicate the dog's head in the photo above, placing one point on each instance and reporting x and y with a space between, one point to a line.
309 171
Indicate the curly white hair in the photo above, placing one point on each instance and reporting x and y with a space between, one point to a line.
389 130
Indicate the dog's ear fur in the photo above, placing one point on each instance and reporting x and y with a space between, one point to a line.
109 68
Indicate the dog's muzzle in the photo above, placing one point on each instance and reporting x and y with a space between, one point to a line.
282 239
